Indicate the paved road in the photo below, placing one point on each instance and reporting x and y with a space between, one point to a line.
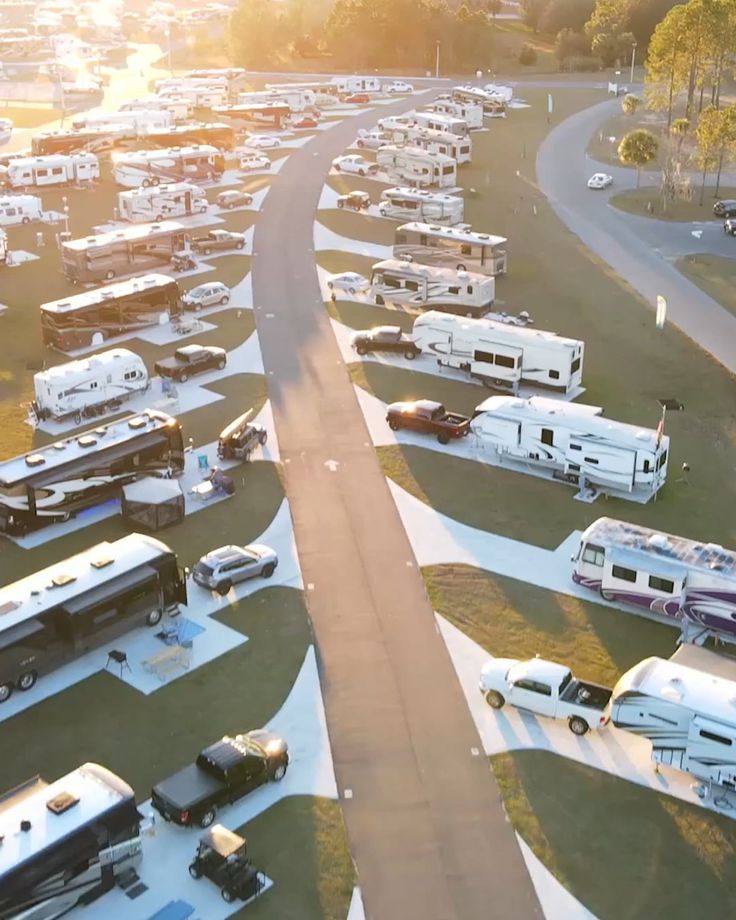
425 821
636 248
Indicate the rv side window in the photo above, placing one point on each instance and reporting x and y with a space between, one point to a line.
594 461
505 361
593 554
662 460
554 375
575 366
57 171
623 574
448 170
548 436
713 737
647 466
466 249
484 356
661 584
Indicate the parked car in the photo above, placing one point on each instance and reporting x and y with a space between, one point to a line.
262 141
725 208
354 163
250 162
222 773
600 181
234 198
217 240
357 98
546 688
306 121
240 438
206 295
190 360
371 140
358 201
729 226
222 568
428 417
351 282
398 86
384 339
86 86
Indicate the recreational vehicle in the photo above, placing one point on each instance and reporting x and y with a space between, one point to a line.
235 77
262 114
160 202
179 107
436 288
470 112
418 167
54 483
569 441
357 84
501 354
214 133
20 209
684 579
3 247
141 120
686 712
404 203
55 169
459 148
297 99
174 164
89 386
445 123
200 97
464 250
494 105
83 836
92 317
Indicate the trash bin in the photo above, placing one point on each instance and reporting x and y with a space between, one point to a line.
39 239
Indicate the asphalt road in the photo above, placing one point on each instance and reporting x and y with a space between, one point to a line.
425 821
640 250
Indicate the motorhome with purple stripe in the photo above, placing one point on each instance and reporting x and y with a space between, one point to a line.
664 574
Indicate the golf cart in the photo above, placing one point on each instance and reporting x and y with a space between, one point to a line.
240 438
221 857
183 261
358 201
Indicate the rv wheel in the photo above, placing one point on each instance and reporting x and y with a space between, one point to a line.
6 691
195 871
461 267
109 274
494 699
27 680
578 726
154 617
262 438
159 217
26 220
146 183
155 180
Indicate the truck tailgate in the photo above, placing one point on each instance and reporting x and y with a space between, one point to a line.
186 788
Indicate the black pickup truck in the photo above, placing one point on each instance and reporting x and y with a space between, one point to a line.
429 417
223 773
190 360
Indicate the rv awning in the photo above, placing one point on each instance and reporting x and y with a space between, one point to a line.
655 565
110 589
152 490
19 631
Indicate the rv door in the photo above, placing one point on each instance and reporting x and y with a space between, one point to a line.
711 751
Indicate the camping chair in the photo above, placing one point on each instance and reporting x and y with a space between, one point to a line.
203 464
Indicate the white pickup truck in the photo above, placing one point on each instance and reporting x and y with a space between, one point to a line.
545 688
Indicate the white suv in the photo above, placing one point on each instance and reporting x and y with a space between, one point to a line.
206 295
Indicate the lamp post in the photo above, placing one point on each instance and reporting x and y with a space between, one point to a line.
633 61
437 62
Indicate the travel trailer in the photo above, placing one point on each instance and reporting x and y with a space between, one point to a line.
494 104
235 77
297 99
20 209
501 355
200 97
173 164
160 202
445 123
357 84
435 288
414 166
180 108
141 120
471 113
89 386
571 442
83 837
459 148
261 114
408 204
464 250
685 708
55 169
684 579
92 139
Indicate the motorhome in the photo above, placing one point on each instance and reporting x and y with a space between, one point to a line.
161 202
235 77
66 843
215 134
471 113
20 209
423 286
92 139
357 84
88 386
570 442
94 316
201 162
684 579
414 166
297 99
494 104
53 483
446 123
262 114
55 169
459 148
685 708
464 250
409 204
179 107
141 120
200 97
499 354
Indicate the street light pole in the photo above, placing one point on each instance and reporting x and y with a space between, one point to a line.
437 63
633 60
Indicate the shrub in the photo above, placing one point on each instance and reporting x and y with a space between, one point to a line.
527 55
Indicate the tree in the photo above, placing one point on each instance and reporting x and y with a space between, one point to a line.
716 133
533 10
638 148
630 104
255 33
569 44
494 7
565 14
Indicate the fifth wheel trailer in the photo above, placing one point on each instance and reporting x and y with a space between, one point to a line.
161 202
418 167
572 443
419 204
463 293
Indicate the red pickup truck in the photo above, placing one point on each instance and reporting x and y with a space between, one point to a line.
429 417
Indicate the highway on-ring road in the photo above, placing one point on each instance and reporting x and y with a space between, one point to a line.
424 817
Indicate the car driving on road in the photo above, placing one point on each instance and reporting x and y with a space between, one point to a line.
306 121
206 295
354 163
222 568
384 339
351 282
600 181
725 208
729 226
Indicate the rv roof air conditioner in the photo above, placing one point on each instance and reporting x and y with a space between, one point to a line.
35 460
61 803
86 441
59 445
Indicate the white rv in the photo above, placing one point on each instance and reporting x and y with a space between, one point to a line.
161 202
418 204
447 123
20 209
54 169
6 130
198 96
142 120
573 443
685 707
423 286
3 247
180 84
414 166
357 84
500 354
471 113
494 104
89 386
452 247
297 99
687 580
179 108
459 148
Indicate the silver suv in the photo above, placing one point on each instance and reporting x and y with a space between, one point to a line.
222 568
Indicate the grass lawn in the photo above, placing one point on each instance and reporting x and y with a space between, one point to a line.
716 275
301 844
332 260
603 145
626 852
360 315
637 201
393 384
359 226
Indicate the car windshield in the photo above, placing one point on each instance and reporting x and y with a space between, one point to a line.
202 569
197 291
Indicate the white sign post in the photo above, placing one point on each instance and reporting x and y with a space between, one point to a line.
661 312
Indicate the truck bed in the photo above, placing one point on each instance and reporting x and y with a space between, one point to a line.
186 788
592 696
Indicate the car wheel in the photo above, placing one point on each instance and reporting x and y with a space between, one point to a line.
208 817
494 699
361 172
393 425
207 251
26 220
109 274
461 267
443 437
360 349
225 299
203 209
146 183
240 244
228 895
360 144
159 217
197 307
183 378
155 180
330 284
578 726
153 617
6 691
229 207
262 438
337 167
195 871
279 773
410 355
221 364
27 680
223 588
268 570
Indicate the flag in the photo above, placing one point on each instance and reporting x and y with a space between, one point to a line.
660 428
